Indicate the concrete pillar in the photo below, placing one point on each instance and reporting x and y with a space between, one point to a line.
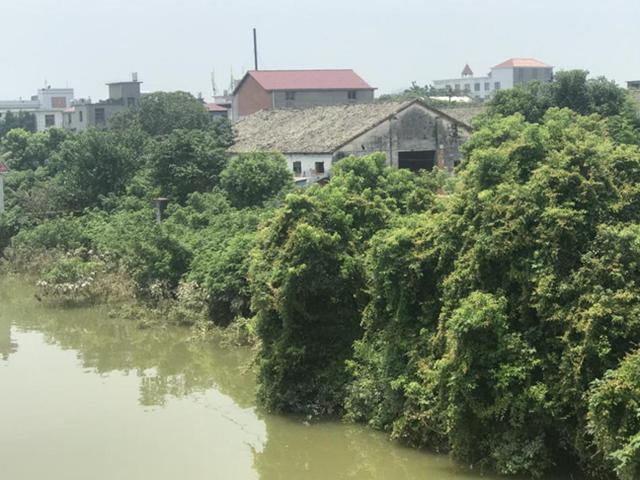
441 135
160 205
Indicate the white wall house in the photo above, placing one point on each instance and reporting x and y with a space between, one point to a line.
47 106
507 74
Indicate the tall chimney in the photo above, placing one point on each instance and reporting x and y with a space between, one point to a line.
255 49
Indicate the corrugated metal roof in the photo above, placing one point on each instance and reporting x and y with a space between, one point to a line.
308 80
522 62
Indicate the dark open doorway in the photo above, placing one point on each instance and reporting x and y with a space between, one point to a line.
419 160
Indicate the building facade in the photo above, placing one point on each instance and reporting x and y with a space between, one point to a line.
47 106
279 89
411 134
508 74
83 114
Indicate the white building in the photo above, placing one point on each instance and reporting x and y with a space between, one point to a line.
47 106
512 72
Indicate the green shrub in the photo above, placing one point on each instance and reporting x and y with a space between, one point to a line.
614 417
71 279
251 179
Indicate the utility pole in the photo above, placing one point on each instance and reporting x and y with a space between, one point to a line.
255 49
213 83
3 170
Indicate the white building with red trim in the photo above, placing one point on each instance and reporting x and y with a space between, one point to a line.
508 74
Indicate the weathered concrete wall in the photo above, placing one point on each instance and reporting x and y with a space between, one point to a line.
414 129
313 98
125 91
308 164
73 121
41 119
503 76
524 75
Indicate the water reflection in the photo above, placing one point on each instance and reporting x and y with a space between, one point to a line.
170 362
7 346
198 418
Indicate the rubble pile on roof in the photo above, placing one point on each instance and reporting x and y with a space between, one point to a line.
308 130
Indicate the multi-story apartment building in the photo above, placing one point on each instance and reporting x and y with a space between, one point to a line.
47 106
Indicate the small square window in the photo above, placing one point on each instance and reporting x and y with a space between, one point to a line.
496 86
290 96
457 87
351 94
297 168
467 87
319 167
49 120
487 86
476 87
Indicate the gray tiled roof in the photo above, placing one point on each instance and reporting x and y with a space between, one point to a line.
313 130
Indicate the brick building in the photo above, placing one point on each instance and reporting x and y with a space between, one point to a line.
278 89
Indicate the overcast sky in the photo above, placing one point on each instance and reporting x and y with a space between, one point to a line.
175 44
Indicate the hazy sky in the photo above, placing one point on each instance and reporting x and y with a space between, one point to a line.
175 44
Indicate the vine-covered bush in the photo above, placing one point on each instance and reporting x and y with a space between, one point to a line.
486 319
614 417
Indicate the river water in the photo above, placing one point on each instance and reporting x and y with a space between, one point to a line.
86 396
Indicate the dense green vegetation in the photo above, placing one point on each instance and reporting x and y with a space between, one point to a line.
494 315
10 121
82 202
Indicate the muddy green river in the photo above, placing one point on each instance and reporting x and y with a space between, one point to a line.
86 396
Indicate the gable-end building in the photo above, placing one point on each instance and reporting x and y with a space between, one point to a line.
278 89
411 134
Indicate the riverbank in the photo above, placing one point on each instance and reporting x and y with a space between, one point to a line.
87 393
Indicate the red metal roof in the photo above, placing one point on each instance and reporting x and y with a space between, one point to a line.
214 107
522 62
3 168
309 80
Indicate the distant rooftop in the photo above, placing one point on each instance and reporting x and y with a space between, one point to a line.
123 82
214 107
522 62
308 80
